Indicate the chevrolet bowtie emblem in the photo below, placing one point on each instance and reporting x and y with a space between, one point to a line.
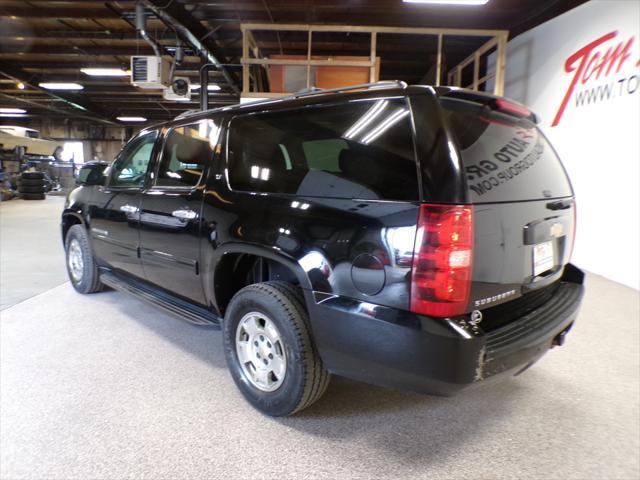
556 230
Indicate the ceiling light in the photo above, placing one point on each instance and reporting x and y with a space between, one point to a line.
449 2
106 72
60 86
21 86
12 110
212 87
132 119
12 115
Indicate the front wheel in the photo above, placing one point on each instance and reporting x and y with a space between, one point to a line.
81 267
269 350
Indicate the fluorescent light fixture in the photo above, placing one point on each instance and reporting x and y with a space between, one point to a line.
366 119
212 87
449 2
60 86
260 173
131 119
385 124
12 115
12 110
106 72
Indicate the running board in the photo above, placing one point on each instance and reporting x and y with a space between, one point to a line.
185 310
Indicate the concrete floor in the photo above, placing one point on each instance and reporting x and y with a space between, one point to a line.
104 386
31 257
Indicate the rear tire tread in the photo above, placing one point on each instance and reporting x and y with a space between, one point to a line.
320 377
316 376
95 285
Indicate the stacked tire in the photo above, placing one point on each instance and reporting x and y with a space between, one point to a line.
32 186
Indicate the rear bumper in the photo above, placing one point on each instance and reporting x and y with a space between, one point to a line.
398 349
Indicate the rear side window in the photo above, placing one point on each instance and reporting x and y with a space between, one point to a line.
506 159
187 151
361 149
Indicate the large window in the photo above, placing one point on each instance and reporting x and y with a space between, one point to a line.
188 149
362 149
130 168
506 159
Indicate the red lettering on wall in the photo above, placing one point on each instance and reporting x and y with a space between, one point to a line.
597 64
583 56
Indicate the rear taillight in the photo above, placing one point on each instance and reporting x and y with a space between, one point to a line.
442 260
512 108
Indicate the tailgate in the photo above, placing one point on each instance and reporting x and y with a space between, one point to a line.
524 211
519 247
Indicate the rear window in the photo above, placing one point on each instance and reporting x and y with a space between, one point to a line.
506 159
361 149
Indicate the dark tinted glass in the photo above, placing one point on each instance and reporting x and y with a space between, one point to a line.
187 150
91 174
363 149
505 159
130 168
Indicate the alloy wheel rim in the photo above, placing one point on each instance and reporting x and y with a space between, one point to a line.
75 261
261 352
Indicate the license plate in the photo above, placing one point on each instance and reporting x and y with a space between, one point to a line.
542 257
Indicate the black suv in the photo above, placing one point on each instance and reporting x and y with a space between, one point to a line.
407 236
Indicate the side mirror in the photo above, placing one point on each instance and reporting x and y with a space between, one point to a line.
92 174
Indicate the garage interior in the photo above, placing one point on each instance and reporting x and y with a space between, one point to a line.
106 386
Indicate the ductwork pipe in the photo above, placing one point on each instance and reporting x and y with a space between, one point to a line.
141 27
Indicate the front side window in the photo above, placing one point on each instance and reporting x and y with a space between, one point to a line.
130 168
188 149
361 149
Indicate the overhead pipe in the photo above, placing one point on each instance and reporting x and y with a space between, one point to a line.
177 61
191 39
204 85
141 27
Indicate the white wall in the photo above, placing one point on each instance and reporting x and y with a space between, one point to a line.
598 141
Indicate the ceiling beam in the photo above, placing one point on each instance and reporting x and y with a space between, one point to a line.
31 103
87 108
26 11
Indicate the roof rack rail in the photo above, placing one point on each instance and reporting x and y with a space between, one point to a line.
316 90
186 113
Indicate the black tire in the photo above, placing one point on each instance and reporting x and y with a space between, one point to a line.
306 379
30 182
23 189
89 280
33 175
33 196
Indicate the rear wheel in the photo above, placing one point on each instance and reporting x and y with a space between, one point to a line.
269 350
81 267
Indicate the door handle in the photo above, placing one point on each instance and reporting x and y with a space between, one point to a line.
185 214
128 209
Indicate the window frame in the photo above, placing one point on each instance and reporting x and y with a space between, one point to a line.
150 167
205 171
336 103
